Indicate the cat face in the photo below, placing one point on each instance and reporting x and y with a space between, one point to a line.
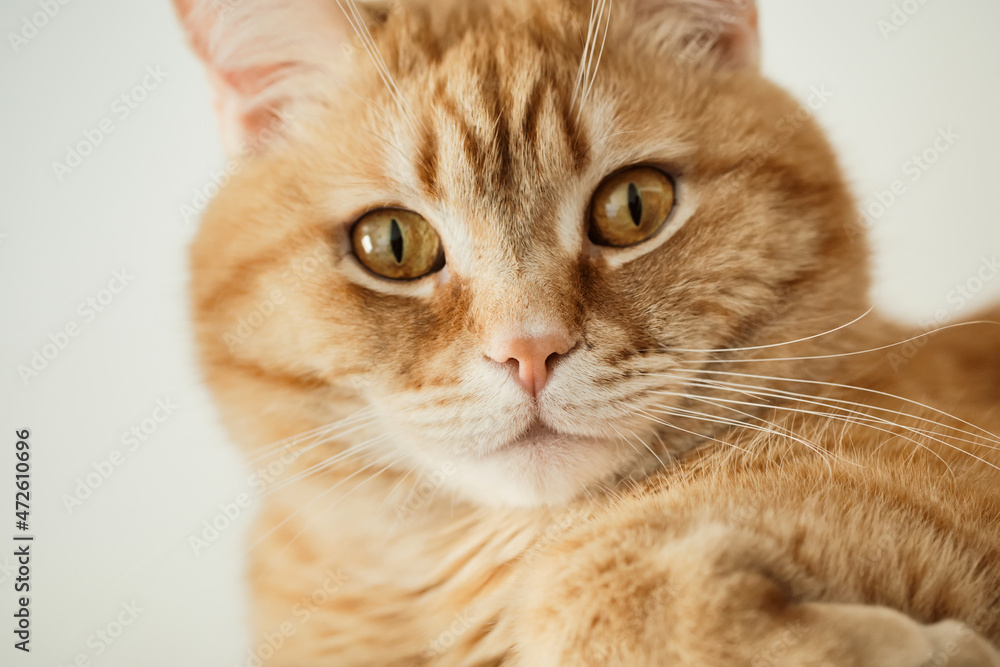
510 258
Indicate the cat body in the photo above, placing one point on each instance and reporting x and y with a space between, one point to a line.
700 448
448 584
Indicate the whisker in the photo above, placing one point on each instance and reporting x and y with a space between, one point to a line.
785 408
597 64
319 430
862 419
314 439
984 432
309 504
309 523
774 430
357 23
837 355
350 452
662 464
396 486
791 342
584 64
643 413
823 401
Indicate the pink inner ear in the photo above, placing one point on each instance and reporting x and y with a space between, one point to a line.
231 87
253 49
240 124
743 42
726 30
236 86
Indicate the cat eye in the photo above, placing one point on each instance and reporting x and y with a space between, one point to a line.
397 244
630 206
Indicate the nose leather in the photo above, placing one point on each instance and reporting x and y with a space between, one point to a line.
531 354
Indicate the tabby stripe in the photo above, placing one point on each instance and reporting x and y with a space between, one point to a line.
427 160
532 109
574 137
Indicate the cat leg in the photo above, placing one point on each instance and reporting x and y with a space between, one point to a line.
716 596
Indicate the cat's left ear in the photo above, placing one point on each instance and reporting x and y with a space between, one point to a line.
270 59
721 33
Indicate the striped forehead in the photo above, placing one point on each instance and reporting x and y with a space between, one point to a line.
498 155
497 151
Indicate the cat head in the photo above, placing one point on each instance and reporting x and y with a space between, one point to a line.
506 230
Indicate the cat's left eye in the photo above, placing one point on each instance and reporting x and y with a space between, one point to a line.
397 244
630 206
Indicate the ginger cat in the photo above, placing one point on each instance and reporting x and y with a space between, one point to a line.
555 317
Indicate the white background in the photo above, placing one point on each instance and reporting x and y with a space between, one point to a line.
62 241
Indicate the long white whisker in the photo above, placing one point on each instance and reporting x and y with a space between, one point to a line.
309 504
670 412
350 452
395 487
774 430
983 431
315 441
785 408
862 419
334 504
662 464
597 64
838 355
357 23
828 402
265 450
791 342
584 63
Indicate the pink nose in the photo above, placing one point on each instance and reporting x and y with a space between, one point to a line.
531 355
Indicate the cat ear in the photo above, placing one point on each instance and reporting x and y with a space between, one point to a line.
268 58
721 33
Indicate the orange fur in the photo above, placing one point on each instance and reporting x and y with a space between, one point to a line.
720 495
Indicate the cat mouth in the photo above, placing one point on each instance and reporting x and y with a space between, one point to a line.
537 436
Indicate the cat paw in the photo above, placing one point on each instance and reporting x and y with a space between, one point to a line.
709 599
957 645
870 636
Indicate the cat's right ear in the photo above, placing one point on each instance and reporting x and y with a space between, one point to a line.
717 33
269 59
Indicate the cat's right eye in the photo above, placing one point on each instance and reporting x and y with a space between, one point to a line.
630 206
397 244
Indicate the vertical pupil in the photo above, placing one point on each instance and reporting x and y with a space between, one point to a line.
634 204
396 240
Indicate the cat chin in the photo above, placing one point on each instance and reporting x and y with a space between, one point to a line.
539 473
